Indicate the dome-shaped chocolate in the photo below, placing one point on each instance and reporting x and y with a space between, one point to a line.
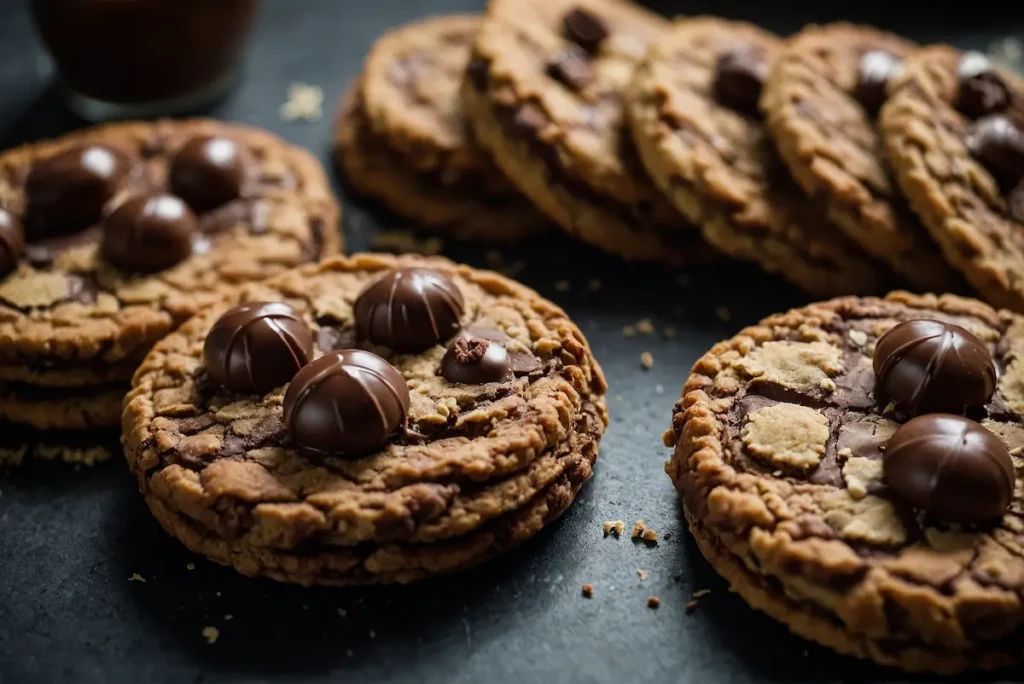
257 347
950 467
928 366
409 309
66 193
346 403
475 360
209 171
148 233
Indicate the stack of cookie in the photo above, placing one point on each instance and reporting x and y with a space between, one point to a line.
111 237
844 158
368 419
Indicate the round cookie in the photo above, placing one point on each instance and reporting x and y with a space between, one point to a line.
401 137
820 101
544 93
718 165
479 467
928 124
781 461
79 311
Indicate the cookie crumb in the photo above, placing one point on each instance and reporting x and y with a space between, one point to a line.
691 607
647 360
723 314
858 337
628 331
650 536
342 612
594 284
588 590
406 242
643 532
136 577
701 593
563 286
827 384
190 566
653 602
616 527
305 102
642 574
211 634
669 332
644 326
638 528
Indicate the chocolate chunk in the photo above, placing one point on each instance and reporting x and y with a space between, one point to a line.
876 68
346 403
982 91
148 233
66 193
472 360
257 347
209 171
998 144
12 241
409 309
950 467
584 28
739 76
926 366
571 68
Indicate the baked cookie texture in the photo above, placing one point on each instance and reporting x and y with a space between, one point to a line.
551 113
820 112
720 168
778 443
481 469
73 327
958 199
401 137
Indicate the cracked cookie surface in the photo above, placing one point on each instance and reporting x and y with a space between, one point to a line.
778 443
830 142
552 115
481 469
401 137
958 200
720 168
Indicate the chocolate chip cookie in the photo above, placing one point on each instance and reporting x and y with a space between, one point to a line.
112 236
821 101
854 469
544 93
953 130
693 110
401 137
369 419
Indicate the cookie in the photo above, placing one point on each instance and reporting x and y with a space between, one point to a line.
472 418
544 94
114 235
821 101
692 108
401 137
952 130
827 471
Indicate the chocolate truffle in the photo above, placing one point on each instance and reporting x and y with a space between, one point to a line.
584 28
950 467
981 90
257 347
209 171
148 233
739 76
12 241
473 360
66 193
346 403
998 144
876 68
409 309
927 366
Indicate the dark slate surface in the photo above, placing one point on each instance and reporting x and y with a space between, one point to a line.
70 540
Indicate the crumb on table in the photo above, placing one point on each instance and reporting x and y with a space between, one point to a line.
692 606
211 634
700 593
653 602
588 590
643 532
616 527
629 331
647 360
136 577
643 574
644 326
305 102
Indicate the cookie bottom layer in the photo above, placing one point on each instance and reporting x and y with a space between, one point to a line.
816 624
19 444
63 408
392 562
473 212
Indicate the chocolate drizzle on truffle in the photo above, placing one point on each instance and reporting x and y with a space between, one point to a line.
346 403
409 309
